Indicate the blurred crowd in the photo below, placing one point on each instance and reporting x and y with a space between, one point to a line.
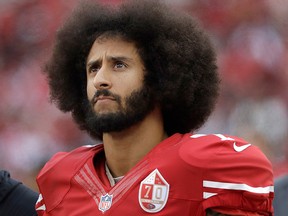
251 40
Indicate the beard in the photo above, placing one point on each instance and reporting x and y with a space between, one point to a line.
137 105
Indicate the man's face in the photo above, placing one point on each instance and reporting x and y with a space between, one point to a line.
115 89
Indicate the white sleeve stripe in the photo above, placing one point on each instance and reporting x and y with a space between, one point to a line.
39 198
236 186
197 135
206 195
41 208
89 146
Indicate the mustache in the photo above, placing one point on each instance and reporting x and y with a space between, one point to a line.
106 93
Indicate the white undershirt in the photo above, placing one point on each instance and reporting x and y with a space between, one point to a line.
111 179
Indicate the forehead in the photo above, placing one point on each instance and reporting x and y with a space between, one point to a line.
113 46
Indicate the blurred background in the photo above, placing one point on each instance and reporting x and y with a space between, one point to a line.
251 38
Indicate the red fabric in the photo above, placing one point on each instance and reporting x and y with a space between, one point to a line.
235 212
73 183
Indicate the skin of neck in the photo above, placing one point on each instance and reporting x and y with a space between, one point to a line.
124 149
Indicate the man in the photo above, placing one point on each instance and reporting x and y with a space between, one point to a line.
15 198
139 78
280 202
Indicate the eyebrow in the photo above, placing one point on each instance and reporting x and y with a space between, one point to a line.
110 58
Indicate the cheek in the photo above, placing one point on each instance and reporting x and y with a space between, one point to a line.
133 82
90 90
130 88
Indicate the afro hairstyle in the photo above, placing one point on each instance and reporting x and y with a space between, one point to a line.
179 59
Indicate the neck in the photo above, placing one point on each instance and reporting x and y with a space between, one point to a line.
123 150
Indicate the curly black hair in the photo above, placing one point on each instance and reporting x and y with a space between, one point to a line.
177 54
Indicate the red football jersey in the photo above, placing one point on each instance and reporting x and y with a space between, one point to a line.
183 175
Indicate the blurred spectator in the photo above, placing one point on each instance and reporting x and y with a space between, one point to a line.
29 126
280 202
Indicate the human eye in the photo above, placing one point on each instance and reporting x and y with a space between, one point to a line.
120 65
94 68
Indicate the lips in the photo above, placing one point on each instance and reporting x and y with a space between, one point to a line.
102 97
104 94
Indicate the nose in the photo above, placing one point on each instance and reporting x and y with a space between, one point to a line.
102 79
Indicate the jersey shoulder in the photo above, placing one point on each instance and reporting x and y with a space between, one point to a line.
211 147
232 171
66 159
226 158
59 170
